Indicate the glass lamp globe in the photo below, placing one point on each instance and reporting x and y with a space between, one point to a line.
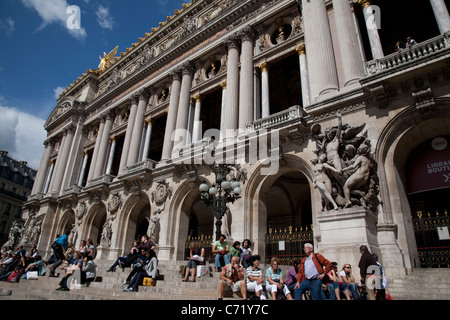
203 187
213 191
225 185
237 190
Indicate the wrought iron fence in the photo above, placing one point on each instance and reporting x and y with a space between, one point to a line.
287 244
433 240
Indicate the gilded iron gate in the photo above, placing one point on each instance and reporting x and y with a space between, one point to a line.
432 237
287 244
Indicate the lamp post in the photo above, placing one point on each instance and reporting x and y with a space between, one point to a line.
219 194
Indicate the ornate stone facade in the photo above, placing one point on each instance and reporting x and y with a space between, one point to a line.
297 95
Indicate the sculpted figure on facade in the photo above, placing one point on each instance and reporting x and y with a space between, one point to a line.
344 167
159 196
14 235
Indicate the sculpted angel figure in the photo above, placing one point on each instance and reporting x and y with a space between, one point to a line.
361 176
322 181
107 58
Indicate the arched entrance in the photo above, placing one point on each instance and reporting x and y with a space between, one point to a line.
280 210
134 221
406 132
289 218
97 219
428 187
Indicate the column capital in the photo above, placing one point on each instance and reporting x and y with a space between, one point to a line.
264 66
198 98
187 68
149 121
301 50
364 3
175 75
233 42
223 85
247 33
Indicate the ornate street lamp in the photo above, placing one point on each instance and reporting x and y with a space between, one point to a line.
220 193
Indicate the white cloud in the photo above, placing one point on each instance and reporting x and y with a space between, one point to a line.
54 11
22 135
8 26
103 18
57 91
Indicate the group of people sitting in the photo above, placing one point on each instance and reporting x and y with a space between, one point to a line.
143 262
313 277
15 264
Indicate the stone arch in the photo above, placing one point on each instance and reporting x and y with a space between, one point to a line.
178 213
65 222
398 139
255 209
132 221
94 222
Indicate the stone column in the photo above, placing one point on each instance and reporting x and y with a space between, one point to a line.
441 13
222 108
83 168
136 138
232 99
75 154
352 61
197 130
265 102
318 40
303 75
96 149
49 177
63 156
246 80
111 155
372 30
43 167
103 150
128 134
148 137
182 136
171 116
256 94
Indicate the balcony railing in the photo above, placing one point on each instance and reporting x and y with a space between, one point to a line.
420 51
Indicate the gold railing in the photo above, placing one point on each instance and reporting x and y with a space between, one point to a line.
432 237
287 243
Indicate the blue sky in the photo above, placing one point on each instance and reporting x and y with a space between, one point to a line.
40 56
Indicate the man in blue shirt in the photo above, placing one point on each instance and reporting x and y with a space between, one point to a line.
59 247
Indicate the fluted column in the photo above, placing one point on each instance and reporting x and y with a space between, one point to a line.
103 149
303 75
441 13
148 137
182 137
246 80
265 98
49 176
74 158
111 155
43 167
171 116
197 128
372 30
128 134
83 168
232 99
135 144
63 156
222 108
351 58
320 48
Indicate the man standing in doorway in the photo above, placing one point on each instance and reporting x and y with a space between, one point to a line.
310 274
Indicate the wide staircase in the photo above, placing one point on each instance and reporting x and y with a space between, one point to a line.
420 284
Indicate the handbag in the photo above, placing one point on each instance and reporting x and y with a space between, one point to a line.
32 275
148 282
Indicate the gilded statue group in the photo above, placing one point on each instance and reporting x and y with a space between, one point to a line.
344 168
